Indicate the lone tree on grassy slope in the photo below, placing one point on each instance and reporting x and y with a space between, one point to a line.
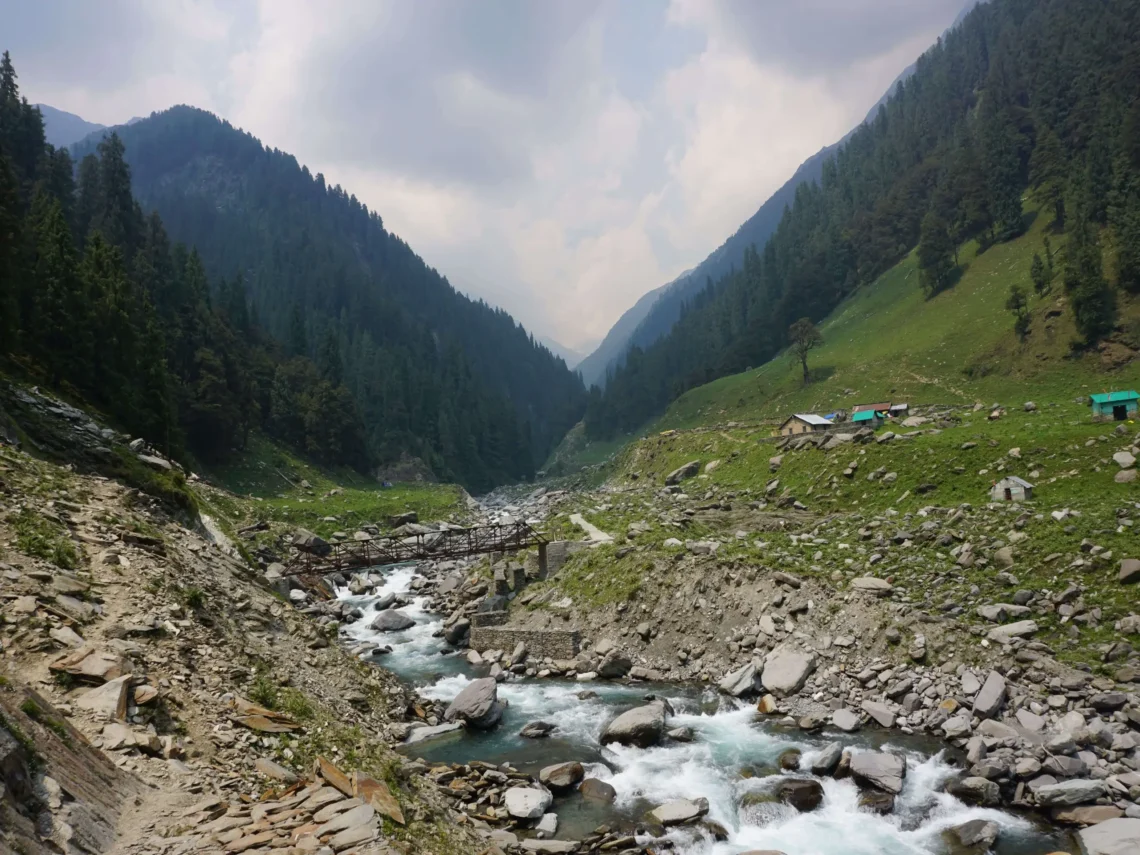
804 337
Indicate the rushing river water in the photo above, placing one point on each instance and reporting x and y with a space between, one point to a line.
731 756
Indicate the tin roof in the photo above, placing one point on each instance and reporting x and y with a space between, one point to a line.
859 408
1113 397
1021 482
863 416
811 419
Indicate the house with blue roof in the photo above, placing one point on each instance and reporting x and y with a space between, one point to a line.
1117 406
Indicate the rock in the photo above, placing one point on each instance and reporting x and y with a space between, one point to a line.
957 725
879 769
991 697
477 706
1125 476
872 585
455 633
977 832
269 769
548 825
680 811
549 847
1075 792
537 730
89 664
681 734
615 666
767 705
683 473
877 801
741 682
847 720
65 635
1129 571
109 701
1005 634
879 712
1113 837
976 791
786 670
827 760
804 795
597 790
1001 611
562 776
1004 556
313 544
527 802
640 726
392 621
1086 814
1124 459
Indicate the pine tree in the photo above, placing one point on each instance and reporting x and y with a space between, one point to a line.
116 213
1019 305
1127 228
1039 276
87 197
1048 175
1092 299
1002 164
936 265
11 262
298 340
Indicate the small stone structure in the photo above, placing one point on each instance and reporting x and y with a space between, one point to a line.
497 618
1012 489
549 643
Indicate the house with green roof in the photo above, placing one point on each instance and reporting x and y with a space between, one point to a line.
1117 406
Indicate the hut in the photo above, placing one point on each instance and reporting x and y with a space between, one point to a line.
1011 489
877 408
804 423
1117 406
867 418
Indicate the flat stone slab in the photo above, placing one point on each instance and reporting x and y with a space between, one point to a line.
680 811
1113 837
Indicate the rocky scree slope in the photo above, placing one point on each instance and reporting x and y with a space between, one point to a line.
202 712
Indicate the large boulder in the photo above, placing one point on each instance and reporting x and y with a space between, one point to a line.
804 794
313 544
392 621
477 706
615 666
597 790
562 776
976 833
527 803
683 473
680 811
457 632
879 769
1129 571
827 760
872 585
640 726
1119 836
991 697
741 682
786 670
976 791
1075 792
1017 629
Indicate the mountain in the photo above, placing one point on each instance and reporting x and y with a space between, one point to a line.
1020 97
593 368
658 310
567 354
63 129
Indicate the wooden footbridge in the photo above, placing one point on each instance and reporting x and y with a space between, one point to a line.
316 557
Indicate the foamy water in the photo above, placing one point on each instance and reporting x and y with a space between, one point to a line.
728 740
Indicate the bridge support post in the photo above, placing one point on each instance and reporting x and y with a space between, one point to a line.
542 566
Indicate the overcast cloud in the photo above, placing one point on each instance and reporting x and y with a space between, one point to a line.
558 158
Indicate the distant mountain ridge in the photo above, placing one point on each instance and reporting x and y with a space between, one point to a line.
656 312
63 129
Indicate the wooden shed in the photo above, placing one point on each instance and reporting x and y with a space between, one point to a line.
1012 489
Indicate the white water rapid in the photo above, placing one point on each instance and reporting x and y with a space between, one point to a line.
731 756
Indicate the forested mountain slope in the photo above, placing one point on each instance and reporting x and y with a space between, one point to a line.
594 367
1022 96
433 372
300 317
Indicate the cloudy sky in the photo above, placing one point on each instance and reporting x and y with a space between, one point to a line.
557 157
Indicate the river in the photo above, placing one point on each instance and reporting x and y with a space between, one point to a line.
733 754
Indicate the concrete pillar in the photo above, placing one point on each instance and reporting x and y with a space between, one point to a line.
542 567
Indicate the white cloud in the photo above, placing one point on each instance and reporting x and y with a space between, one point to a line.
501 139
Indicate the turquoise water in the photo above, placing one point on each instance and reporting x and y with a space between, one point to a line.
733 754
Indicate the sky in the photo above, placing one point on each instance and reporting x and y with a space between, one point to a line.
558 158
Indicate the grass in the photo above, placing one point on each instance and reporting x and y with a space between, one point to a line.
39 537
193 598
888 342
33 711
270 484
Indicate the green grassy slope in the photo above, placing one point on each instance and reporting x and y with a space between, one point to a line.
887 342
